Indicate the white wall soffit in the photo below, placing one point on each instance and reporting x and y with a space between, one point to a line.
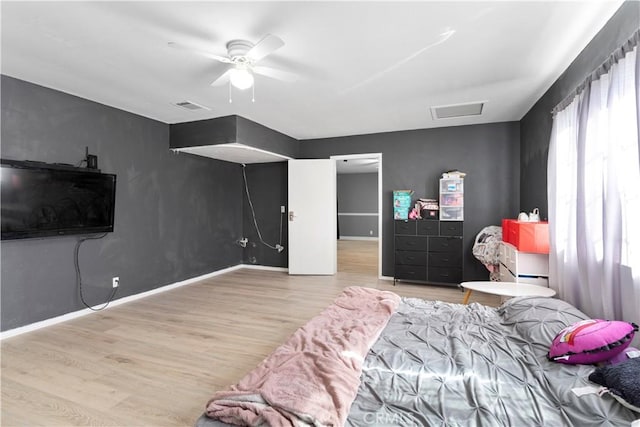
236 153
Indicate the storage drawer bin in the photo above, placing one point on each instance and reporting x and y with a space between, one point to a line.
445 259
410 243
405 227
445 275
451 214
453 228
411 272
445 244
428 228
411 258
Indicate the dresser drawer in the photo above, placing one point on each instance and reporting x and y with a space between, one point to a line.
411 243
428 227
411 258
451 228
445 275
523 263
405 227
445 244
445 259
411 272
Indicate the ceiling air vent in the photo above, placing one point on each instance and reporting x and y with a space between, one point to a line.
457 110
191 105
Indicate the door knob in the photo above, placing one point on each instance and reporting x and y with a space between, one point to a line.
291 216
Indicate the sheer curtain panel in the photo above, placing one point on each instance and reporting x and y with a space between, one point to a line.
594 191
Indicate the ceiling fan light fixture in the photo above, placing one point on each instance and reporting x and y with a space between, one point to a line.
241 78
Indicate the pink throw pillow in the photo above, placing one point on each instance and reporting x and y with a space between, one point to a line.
591 341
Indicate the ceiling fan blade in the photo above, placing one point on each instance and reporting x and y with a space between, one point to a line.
275 73
222 78
264 47
199 52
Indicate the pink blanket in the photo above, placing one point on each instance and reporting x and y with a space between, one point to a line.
313 377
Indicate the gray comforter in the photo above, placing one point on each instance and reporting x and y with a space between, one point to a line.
441 364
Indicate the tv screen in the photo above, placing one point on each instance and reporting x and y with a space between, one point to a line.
41 200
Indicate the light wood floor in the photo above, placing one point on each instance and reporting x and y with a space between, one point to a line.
358 256
156 361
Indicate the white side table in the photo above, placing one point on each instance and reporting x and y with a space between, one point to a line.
507 289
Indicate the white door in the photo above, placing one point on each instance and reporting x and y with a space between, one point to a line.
312 217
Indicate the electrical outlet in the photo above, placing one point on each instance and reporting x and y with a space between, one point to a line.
370 232
115 282
282 209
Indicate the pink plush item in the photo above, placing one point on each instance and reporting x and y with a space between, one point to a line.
313 378
591 341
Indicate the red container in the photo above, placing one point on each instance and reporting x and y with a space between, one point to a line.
526 236
508 230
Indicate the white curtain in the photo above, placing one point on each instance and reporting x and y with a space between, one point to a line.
594 193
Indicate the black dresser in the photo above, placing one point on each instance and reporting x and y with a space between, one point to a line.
428 251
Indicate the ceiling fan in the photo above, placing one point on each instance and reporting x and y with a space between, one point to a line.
242 58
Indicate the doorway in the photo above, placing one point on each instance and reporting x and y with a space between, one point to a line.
359 213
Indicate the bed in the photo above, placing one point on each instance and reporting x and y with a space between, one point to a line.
441 364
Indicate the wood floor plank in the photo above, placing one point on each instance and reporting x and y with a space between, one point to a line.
37 407
156 361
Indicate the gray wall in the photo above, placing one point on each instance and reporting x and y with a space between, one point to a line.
232 129
221 130
177 216
489 154
259 136
535 126
267 184
357 193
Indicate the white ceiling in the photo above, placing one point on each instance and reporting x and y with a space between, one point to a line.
364 67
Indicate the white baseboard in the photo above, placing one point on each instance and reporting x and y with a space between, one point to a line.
357 238
73 315
386 278
264 267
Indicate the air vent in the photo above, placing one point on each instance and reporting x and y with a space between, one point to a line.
191 105
457 110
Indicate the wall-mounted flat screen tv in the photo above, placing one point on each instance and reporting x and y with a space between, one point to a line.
43 200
